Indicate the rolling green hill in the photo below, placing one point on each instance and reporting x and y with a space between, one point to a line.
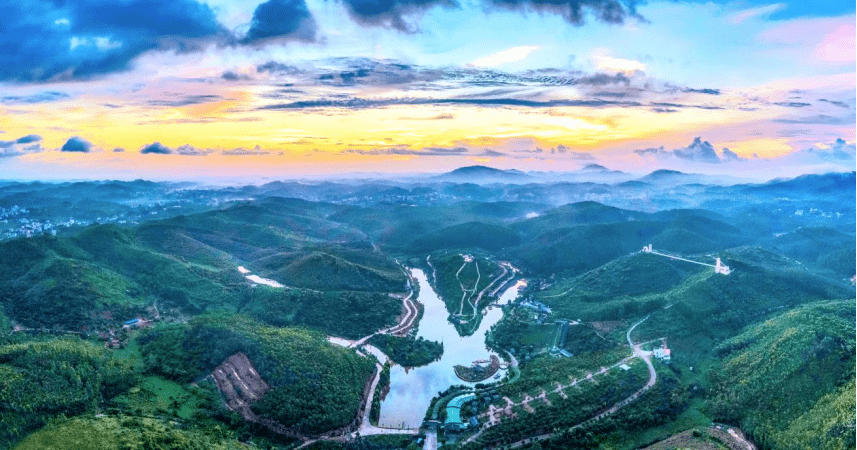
822 247
470 235
781 379
315 386
45 378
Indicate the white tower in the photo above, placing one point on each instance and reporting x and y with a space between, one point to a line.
721 268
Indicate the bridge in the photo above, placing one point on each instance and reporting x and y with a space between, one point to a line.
718 266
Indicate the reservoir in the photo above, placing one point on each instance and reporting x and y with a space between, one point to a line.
411 390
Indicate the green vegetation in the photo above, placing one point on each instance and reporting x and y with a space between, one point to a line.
44 378
603 292
407 351
584 402
542 373
345 314
125 433
315 386
380 391
778 372
449 280
823 247
469 235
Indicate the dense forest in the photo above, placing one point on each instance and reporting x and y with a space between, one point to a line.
315 386
407 351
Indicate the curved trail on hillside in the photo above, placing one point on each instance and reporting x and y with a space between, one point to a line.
638 352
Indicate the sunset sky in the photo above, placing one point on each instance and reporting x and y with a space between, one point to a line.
180 89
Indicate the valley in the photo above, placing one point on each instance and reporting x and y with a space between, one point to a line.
343 321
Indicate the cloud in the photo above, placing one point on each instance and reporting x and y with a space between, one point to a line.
281 20
41 97
360 103
76 144
611 64
698 151
189 150
506 56
392 13
574 11
178 100
22 145
28 139
90 38
156 148
818 119
701 91
277 68
234 76
793 104
836 103
755 13
839 150
729 155
118 150
255 151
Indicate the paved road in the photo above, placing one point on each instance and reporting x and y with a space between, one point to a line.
431 440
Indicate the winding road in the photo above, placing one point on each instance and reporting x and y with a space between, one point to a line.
638 352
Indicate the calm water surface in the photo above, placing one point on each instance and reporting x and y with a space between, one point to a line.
411 391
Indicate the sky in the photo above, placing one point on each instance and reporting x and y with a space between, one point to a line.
193 89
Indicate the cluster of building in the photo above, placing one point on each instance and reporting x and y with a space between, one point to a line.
662 353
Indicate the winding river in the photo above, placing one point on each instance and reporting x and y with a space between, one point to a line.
411 390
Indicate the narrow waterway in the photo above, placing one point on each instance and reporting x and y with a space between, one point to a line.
411 391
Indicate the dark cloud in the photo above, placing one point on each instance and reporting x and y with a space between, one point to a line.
80 39
41 97
118 150
28 139
793 104
575 11
701 91
679 105
76 144
360 103
277 68
281 20
156 148
234 76
20 146
836 103
602 79
392 13
178 100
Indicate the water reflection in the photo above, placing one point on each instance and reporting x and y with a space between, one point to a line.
411 391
